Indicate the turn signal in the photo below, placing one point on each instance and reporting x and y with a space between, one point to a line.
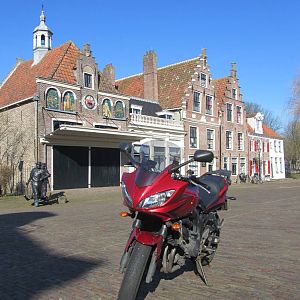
176 226
124 214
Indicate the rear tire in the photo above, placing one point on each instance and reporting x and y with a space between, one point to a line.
134 272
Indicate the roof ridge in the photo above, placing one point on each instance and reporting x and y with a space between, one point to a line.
178 63
161 68
139 74
13 69
61 58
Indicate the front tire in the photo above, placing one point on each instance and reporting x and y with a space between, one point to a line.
134 272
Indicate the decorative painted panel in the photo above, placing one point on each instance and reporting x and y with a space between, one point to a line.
119 110
107 108
90 102
69 101
52 99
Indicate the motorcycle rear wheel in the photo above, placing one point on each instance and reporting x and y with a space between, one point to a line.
134 272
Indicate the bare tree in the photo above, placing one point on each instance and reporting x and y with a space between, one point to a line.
13 144
295 101
270 119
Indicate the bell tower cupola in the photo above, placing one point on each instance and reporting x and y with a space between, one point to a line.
42 39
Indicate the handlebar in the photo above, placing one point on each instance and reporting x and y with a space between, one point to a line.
191 179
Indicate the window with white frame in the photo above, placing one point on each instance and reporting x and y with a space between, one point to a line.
193 166
279 146
210 136
276 165
234 94
240 141
275 146
280 163
203 79
174 154
225 163
159 157
139 151
196 102
239 119
229 112
209 105
193 137
234 166
229 140
243 165
210 167
88 80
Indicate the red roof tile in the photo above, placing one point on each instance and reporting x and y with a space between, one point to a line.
172 80
220 87
57 64
270 133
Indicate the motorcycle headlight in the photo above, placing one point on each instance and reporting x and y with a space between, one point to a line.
156 200
126 195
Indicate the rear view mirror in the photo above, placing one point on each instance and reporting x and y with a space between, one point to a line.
203 156
125 147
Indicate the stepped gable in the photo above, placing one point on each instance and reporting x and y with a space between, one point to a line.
173 81
57 64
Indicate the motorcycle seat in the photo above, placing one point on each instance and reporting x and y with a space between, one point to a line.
216 184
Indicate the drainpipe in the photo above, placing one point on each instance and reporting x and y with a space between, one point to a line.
36 127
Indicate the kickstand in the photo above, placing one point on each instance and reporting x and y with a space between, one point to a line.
200 271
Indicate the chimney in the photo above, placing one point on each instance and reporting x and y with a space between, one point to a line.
150 75
87 50
203 57
109 73
233 70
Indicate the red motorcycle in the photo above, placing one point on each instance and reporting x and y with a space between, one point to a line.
175 219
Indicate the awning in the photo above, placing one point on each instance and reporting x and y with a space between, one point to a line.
93 137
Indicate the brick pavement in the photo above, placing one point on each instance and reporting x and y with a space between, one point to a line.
72 251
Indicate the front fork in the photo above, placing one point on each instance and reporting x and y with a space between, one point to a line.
153 239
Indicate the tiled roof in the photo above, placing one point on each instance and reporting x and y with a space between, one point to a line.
173 80
57 64
220 87
250 129
270 133
267 132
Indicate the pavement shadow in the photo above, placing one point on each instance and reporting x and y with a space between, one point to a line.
26 267
147 288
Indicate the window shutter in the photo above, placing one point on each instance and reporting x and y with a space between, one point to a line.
250 163
268 148
269 166
255 146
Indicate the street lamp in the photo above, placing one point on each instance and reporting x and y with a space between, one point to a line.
259 164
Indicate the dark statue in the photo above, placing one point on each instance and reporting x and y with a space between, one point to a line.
39 182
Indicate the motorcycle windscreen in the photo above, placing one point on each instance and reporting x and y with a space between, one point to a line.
145 177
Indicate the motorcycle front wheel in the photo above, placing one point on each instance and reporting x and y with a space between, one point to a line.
134 271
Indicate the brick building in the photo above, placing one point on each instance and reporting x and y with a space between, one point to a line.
75 115
71 111
233 136
212 111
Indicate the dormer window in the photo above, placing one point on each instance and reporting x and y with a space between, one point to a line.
165 115
136 109
88 83
203 79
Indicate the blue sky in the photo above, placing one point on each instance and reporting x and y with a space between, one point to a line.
261 36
